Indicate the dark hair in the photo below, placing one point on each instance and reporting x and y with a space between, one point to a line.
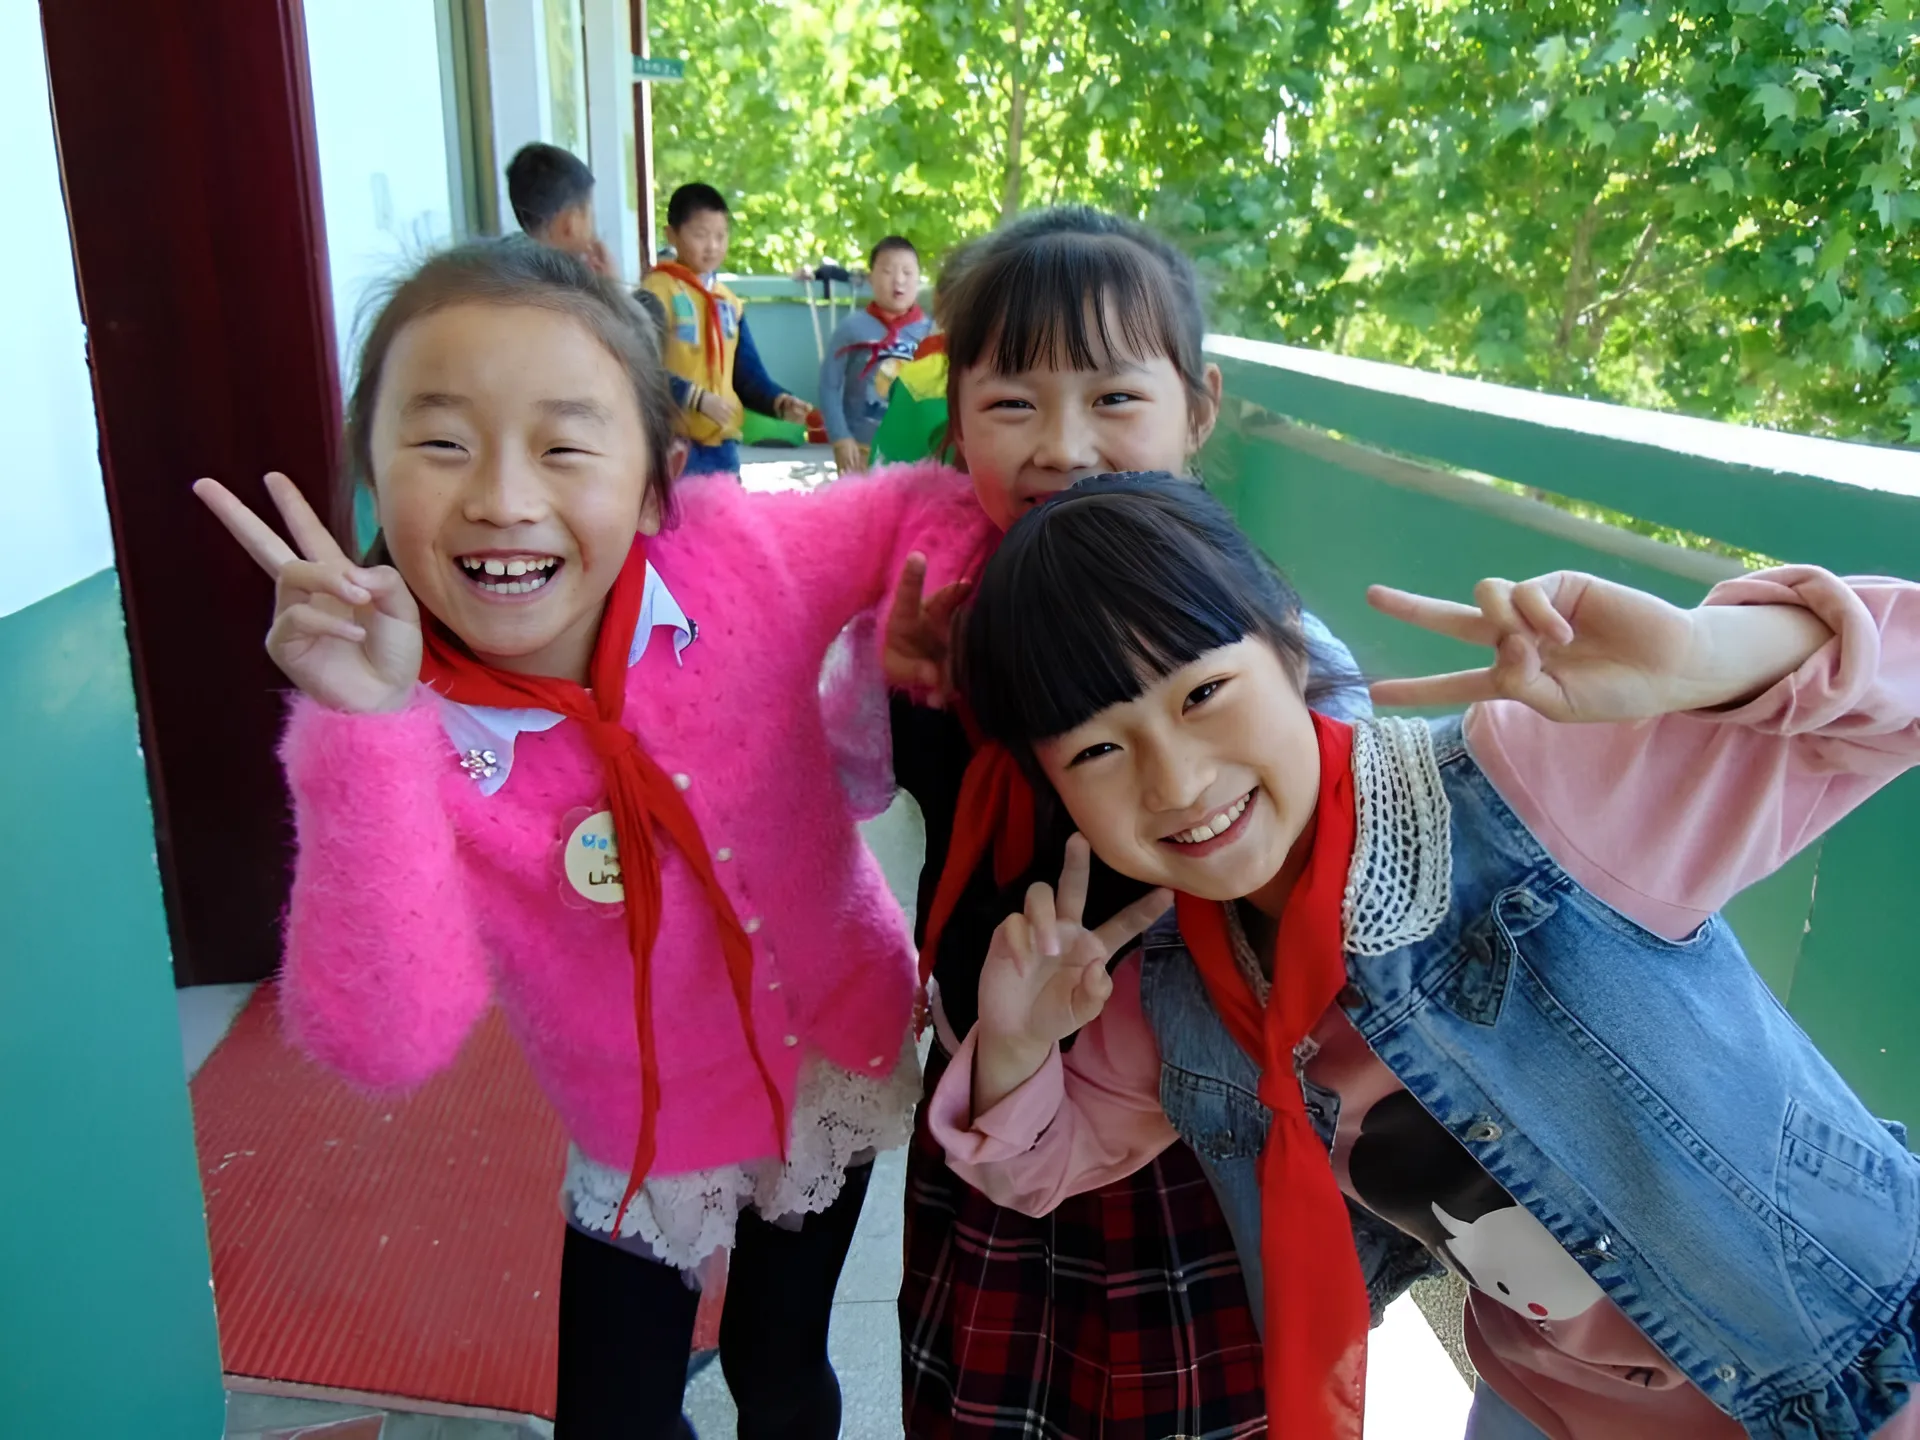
492 273
887 246
544 182
691 200
1105 589
1046 288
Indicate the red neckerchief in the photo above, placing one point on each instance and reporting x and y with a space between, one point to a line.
877 348
643 799
716 346
995 809
1316 1298
934 344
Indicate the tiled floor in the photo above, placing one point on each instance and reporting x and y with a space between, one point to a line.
1413 1390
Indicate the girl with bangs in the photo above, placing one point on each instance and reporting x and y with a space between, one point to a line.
1074 342
1465 978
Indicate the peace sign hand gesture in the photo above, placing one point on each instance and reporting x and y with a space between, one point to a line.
1572 646
1046 974
347 636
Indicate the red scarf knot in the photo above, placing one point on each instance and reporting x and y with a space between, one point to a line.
878 348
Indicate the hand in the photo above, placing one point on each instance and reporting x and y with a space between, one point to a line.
792 409
347 636
1578 648
849 457
599 259
920 632
722 411
1046 976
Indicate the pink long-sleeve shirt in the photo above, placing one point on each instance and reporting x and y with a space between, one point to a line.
419 897
1665 820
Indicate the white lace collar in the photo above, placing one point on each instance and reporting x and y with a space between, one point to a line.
483 736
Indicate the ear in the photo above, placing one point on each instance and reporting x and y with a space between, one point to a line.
1206 412
652 511
1455 1229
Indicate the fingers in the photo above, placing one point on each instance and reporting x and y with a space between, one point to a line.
1133 922
908 596
256 537
946 600
1443 617
1073 880
1534 600
309 532
1091 994
307 621
389 592
300 578
1041 919
1462 687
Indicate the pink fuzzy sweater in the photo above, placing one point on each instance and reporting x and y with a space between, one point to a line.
417 900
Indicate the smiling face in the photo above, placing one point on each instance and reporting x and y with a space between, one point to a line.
1027 435
1203 783
700 243
896 281
510 468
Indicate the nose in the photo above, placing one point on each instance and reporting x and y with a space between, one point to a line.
506 490
1066 442
1173 776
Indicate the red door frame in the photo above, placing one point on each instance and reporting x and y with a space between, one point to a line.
193 192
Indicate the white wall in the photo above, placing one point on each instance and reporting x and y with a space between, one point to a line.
517 77
50 484
610 130
385 179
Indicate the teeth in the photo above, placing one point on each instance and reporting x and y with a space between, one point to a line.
516 567
1219 825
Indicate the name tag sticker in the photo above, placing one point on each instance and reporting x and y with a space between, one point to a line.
593 860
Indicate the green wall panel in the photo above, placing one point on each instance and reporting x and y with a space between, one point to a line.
106 1308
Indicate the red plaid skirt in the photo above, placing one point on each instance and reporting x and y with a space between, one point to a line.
1121 1316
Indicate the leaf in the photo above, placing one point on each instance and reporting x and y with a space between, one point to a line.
1776 102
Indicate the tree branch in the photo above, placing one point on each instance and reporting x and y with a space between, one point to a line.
1578 264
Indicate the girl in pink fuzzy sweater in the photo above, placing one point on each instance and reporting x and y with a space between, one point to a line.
560 745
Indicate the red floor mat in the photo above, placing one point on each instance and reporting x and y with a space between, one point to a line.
395 1247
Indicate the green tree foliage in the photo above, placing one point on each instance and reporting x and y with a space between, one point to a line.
1704 205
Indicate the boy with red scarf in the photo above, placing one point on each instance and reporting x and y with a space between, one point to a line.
709 350
868 349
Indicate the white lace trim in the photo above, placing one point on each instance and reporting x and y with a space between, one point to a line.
1401 882
682 1219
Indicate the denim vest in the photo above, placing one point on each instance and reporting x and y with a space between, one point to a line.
1693 1151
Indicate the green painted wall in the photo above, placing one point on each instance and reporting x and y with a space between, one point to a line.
1841 952
106 1310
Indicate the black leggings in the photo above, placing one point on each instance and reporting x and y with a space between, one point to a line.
626 1325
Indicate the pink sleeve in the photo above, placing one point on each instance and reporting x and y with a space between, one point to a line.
384 975
1078 1124
843 545
1668 819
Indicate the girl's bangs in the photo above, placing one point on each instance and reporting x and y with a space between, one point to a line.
1043 315
1099 605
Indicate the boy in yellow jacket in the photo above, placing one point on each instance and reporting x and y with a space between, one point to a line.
709 350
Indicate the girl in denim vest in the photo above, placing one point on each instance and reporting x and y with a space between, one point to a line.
1464 976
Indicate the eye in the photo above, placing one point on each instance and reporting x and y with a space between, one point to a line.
1011 404
1115 397
1200 695
446 446
1093 752
565 450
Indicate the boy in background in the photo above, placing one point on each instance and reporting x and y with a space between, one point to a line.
551 191
710 352
868 349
